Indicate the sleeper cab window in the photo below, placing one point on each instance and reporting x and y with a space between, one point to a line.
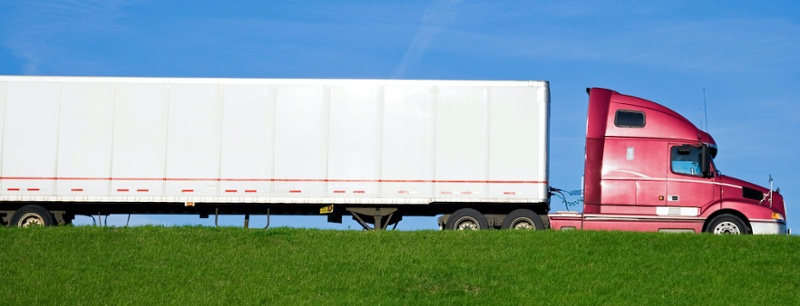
629 119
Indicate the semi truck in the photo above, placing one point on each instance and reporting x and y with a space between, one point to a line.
475 153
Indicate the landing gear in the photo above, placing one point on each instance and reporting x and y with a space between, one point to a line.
378 214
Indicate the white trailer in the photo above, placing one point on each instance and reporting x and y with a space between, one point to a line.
378 148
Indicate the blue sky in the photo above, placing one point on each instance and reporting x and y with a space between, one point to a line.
746 54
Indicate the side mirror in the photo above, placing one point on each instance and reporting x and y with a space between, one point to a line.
705 163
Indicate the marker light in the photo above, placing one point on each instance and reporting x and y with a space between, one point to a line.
777 216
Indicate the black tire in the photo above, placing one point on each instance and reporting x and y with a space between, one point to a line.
523 219
727 224
32 215
467 219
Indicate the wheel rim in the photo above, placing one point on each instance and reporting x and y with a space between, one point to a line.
467 224
727 227
31 219
523 224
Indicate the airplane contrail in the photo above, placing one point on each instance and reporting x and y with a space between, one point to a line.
437 16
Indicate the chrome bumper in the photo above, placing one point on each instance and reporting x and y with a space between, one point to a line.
768 228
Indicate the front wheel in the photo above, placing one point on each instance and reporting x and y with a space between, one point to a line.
32 215
467 219
727 224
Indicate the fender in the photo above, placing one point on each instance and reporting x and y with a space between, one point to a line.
749 210
756 217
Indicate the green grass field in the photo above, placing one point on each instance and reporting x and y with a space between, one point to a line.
234 266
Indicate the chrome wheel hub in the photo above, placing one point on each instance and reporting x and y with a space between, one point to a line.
31 220
523 224
467 224
727 227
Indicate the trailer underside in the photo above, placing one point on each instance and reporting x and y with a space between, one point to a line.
371 216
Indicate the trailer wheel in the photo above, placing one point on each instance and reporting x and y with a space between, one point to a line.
523 219
467 219
32 215
727 224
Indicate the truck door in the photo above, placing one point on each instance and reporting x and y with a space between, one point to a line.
687 186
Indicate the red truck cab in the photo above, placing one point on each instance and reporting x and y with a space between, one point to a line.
647 168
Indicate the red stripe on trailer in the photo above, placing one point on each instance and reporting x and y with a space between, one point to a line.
509 193
33 189
359 191
77 189
447 192
295 191
403 192
142 190
250 190
187 190
122 190
13 189
304 180
231 190
466 192
338 191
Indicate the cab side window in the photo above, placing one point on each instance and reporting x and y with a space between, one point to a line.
686 160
